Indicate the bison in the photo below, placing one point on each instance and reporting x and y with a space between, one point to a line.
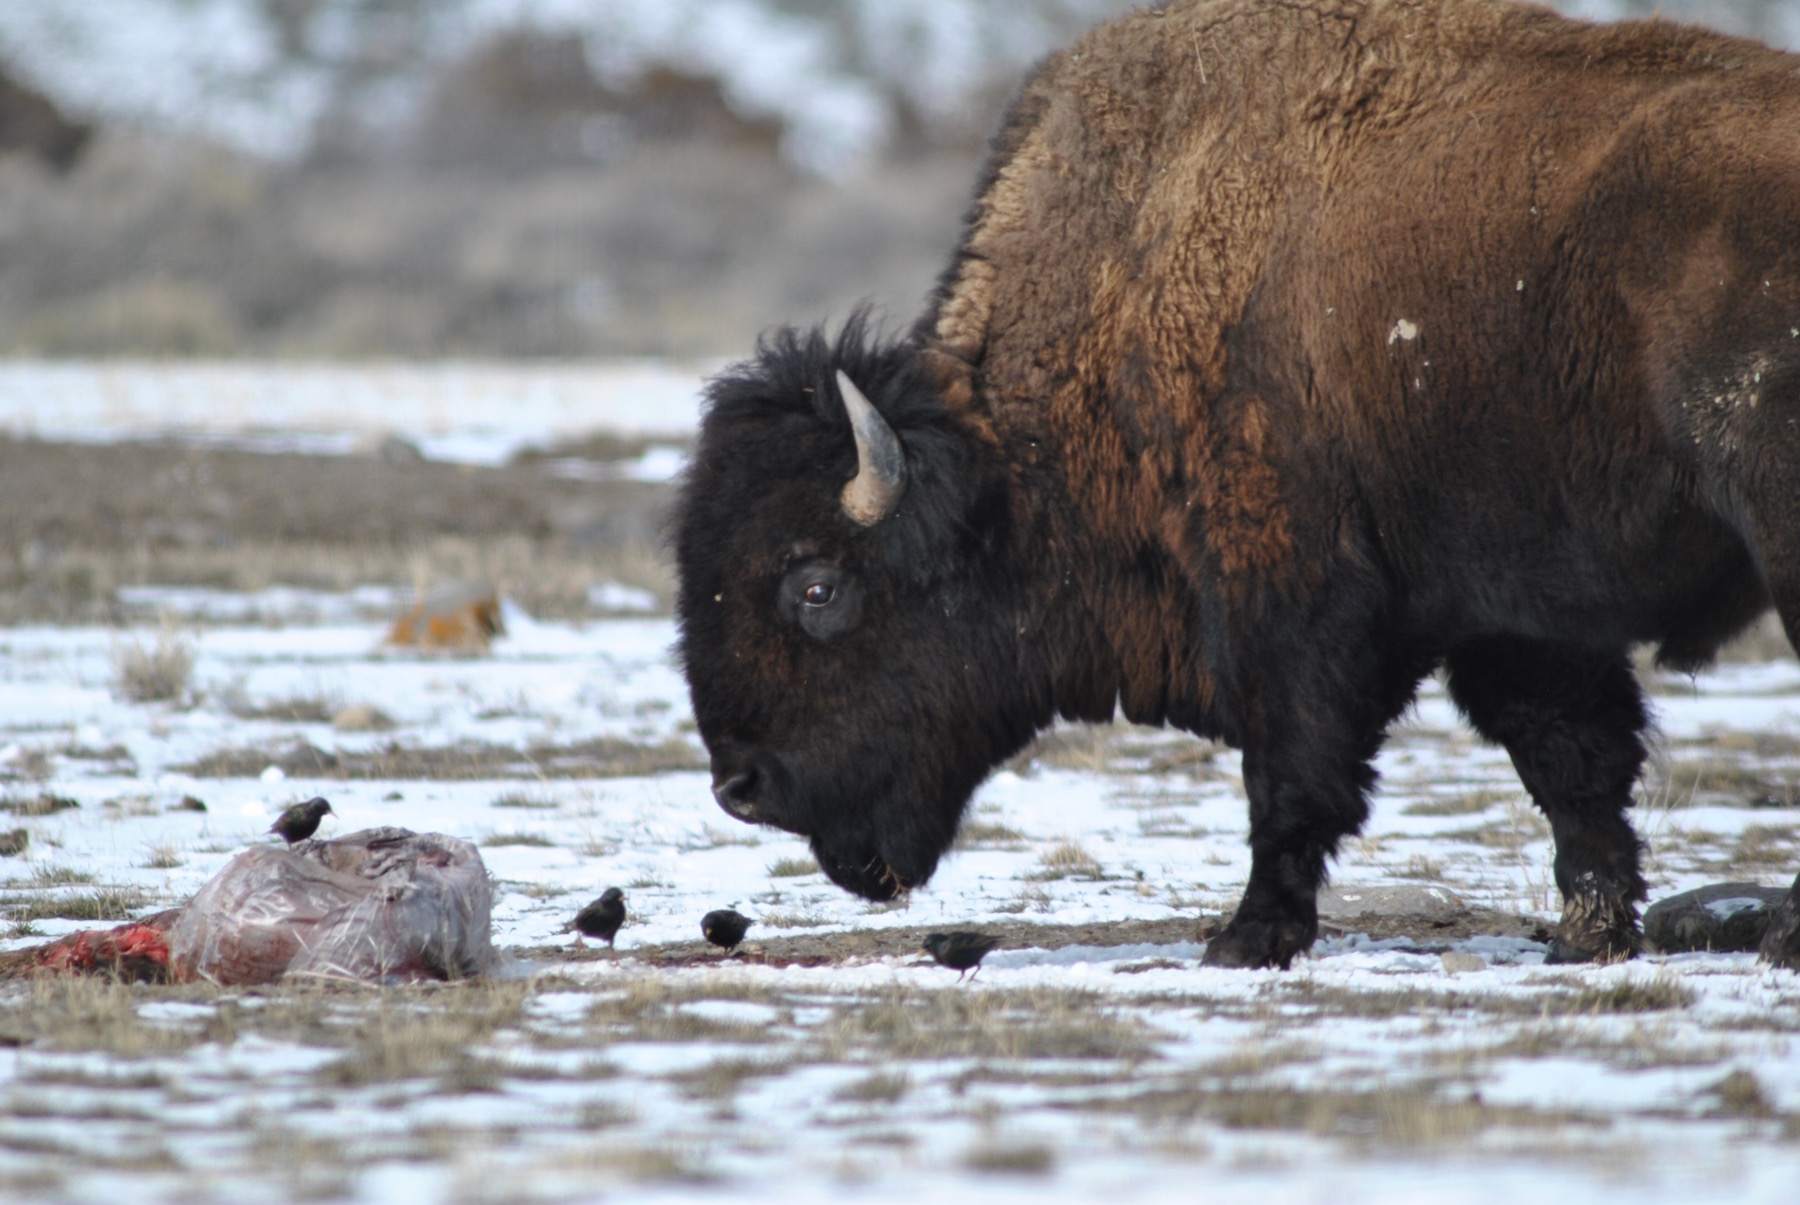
1292 352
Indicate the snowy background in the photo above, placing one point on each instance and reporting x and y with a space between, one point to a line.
517 178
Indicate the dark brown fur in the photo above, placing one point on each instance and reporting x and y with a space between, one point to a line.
1310 346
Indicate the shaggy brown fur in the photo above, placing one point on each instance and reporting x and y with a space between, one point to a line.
1312 345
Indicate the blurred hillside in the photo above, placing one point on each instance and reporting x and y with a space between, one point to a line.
429 178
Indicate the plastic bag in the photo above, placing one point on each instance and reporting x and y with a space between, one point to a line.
382 904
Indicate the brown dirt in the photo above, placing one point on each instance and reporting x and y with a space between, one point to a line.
77 522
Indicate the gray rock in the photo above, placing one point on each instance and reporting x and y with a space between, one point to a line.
1719 916
1342 903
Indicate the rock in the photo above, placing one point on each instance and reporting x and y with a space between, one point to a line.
1456 962
1781 943
1425 903
1720 916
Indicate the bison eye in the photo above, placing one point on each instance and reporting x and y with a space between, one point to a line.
820 598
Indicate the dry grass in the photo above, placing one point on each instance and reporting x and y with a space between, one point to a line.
599 757
154 673
403 1036
294 709
1423 867
1403 1116
41 804
793 868
1031 1023
497 840
113 903
877 1088
1468 803
528 799
794 920
93 1014
1066 860
1763 846
1012 1159
163 856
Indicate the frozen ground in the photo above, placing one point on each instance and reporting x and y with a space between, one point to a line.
1092 1054
1375 1070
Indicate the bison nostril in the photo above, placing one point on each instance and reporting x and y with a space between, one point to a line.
737 793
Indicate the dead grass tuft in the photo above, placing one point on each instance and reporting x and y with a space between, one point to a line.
877 1088
982 834
42 804
91 1013
1028 1023
409 1036
1066 860
1658 994
599 757
793 868
111 903
497 840
1468 803
294 709
527 799
1766 845
721 1079
1403 1116
1741 1094
156 673
1012 1159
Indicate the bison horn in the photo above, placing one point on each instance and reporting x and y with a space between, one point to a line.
874 493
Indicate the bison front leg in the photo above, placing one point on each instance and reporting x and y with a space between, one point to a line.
1302 803
1572 720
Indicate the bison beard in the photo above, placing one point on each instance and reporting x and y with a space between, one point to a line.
1290 354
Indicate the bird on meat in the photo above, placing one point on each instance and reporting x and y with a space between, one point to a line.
301 821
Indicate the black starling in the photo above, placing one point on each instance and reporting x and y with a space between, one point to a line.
601 918
961 951
724 927
301 821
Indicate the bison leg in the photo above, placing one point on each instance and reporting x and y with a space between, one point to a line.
1781 944
1572 721
1303 801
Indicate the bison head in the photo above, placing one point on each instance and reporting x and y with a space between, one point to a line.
846 618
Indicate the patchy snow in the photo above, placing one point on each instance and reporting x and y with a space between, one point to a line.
1638 1093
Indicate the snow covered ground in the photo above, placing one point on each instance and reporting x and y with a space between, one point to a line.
1403 1069
1371 1071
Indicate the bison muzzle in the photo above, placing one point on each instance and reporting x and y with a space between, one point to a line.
1291 353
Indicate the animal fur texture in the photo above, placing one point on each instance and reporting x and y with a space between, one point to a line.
1291 352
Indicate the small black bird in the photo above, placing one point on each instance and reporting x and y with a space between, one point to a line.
300 821
961 951
601 918
725 928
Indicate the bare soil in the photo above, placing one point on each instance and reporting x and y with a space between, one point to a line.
77 522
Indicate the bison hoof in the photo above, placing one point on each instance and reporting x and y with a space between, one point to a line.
1781 943
1596 929
1260 943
